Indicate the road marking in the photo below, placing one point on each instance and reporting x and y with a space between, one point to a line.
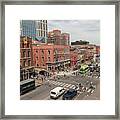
69 85
53 82
66 85
63 84
57 83
72 86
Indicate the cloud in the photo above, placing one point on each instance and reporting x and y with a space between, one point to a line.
78 29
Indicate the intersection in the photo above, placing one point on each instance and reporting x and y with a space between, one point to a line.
69 81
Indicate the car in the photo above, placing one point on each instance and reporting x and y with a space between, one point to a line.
56 92
70 94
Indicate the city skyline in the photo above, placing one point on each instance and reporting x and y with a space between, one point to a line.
88 30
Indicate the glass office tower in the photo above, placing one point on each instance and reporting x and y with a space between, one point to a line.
36 29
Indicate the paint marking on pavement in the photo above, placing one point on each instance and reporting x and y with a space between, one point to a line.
63 84
72 86
69 85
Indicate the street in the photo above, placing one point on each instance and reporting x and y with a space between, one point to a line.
67 82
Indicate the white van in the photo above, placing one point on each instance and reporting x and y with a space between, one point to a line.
56 92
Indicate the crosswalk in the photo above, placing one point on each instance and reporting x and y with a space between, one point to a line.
62 84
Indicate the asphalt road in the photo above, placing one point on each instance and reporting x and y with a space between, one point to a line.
42 92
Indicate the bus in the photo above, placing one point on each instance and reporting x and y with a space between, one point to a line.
84 69
26 86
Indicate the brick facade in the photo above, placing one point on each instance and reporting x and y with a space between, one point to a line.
58 38
26 63
50 57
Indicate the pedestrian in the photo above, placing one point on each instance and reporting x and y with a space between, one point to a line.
49 83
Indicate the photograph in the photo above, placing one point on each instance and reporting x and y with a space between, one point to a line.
59 59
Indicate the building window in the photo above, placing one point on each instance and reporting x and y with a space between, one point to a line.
42 52
48 52
37 65
42 59
41 32
22 45
23 53
28 62
49 59
28 45
36 51
28 53
24 64
37 58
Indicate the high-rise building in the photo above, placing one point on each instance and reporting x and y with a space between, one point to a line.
28 28
41 30
36 29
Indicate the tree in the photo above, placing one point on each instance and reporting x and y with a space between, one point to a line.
81 42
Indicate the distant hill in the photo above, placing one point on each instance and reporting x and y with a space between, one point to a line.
81 42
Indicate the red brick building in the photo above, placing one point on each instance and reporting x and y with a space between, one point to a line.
26 63
58 38
51 57
65 39
73 57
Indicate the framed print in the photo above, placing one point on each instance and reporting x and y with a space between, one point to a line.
59 59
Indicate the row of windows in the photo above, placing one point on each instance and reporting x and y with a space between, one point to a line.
22 45
26 63
43 52
39 65
25 54
41 26
25 76
43 59
41 33
60 57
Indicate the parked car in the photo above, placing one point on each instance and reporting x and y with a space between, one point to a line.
70 94
56 92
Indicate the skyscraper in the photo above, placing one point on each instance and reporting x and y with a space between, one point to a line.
28 28
36 29
41 30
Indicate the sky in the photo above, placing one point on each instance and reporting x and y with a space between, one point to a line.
88 30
